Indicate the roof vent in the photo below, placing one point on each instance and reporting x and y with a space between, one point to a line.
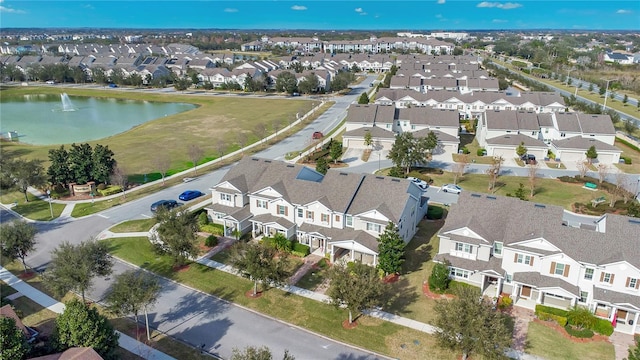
491 197
290 166
267 161
380 177
344 173
396 180
254 159
540 206
476 195
634 221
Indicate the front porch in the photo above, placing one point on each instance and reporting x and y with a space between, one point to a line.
343 252
623 318
528 296
269 225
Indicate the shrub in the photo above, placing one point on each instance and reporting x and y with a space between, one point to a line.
439 278
582 318
211 241
215 229
603 326
560 320
628 144
551 310
101 186
203 218
579 333
481 152
435 212
627 160
465 150
505 302
301 250
110 190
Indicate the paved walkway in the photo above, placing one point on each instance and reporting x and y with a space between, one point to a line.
125 341
621 343
522 319
309 261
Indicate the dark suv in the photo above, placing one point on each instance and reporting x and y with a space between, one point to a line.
167 204
528 159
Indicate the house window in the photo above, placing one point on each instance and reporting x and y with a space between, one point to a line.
374 227
388 126
349 220
508 278
524 259
455 272
607 277
464 247
261 204
337 218
588 274
413 127
632 283
225 197
583 296
533 133
563 134
310 215
282 210
559 269
300 212
497 248
324 218
546 131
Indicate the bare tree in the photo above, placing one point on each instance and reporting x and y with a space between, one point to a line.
621 180
195 154
582 167
533 177
119 177
494 171
261 132
162 162
459 167
603 170
242 140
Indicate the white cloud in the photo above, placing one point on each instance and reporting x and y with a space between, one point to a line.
441 1
439 16
358 10
230 10
298 8
4 9
624 11
88 6
498 21
505 6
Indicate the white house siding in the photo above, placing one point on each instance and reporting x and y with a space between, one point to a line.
507 152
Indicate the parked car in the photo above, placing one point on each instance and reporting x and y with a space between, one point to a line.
528 159
190 195
113 85
295 94
167 204
421 183
451 188
317 135
50 82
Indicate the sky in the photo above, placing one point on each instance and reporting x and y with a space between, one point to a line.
323 14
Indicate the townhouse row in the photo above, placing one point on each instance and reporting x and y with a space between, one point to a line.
542 254
338 214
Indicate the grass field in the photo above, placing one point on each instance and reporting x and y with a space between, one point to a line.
634 167
374 334
133 226
34 209
546 342
218 125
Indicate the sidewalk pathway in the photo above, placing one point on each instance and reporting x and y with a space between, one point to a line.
621 343
125 341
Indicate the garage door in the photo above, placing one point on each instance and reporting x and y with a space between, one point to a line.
571 156
540 154
606 159
506 153
354 143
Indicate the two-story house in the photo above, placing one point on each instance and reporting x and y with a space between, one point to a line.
340 214
541 254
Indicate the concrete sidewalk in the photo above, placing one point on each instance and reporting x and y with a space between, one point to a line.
125 341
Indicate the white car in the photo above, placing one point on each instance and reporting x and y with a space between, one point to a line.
451 188
421 183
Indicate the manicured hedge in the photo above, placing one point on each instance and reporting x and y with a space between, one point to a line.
579 333
211 241
110 190
628 144
435 212
300 249
215 229
603 326
551 310
547 313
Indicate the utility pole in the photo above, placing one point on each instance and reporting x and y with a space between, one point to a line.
569 72
604 106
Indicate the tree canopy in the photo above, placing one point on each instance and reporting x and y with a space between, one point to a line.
25 173
309 84
469 324
408 151
286 82
13 343
257 353
17 240
591 154
390 250
356 286
521 149
83 326
73 267
80 164
363 99
259 263
177 231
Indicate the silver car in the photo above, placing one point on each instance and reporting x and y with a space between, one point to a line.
451 188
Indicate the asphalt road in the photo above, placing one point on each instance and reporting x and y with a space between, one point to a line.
202 320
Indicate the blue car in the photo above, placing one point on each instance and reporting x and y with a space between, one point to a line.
190 195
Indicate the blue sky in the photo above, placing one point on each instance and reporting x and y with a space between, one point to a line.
324 14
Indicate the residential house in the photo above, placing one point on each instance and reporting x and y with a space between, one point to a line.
339 214
542 254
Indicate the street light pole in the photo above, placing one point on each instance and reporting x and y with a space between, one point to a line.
569 72
604 106
50 206
379 162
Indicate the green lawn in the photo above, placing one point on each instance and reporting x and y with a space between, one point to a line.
548 191
34 209
217 124
634 167
133 226
374 334
547 343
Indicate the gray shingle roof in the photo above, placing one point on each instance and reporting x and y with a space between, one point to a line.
581 143
376 133
541 281
596 124
615 297
516 139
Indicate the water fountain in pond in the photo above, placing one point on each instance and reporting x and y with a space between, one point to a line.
67 105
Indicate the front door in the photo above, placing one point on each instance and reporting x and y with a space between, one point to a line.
526 292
